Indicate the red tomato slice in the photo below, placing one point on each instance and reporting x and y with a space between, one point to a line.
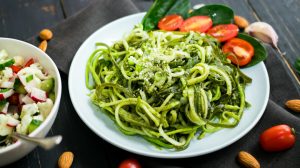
224 32
240 51
197 23
29 62
170 22
15 68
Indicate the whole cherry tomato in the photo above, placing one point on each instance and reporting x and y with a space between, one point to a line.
130 163
277 138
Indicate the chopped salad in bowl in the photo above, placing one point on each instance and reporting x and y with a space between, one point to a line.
26 95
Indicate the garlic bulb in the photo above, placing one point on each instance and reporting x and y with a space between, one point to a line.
264 32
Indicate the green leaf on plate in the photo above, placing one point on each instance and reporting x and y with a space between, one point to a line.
297 65
260 52
161 8
220 14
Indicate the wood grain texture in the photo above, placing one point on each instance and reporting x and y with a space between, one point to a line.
71 7
285 18
24 18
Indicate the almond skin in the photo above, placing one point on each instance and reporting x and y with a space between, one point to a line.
241 22
247 160
293 105
43 45
66 160
46 34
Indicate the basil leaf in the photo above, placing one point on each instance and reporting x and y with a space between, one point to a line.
260 52
220 14
297 65
161 8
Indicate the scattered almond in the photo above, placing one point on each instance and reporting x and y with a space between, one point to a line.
66 160
43 45
240 21
293 105
247 160
46 34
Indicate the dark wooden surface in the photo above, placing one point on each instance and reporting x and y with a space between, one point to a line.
22 19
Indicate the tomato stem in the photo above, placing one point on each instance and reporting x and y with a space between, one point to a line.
294 131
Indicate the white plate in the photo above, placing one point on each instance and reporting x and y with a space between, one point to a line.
257 93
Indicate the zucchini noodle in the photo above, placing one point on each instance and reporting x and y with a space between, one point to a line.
167 87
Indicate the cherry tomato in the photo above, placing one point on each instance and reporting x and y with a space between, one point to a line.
15 68
170 22
240 51
197 23
130 163
224 32
29 62
277 138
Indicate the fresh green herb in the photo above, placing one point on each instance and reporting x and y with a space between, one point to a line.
2 104
161 8
297 65
260 52
220 14
6 63
18 87
34 125
29 78
4 90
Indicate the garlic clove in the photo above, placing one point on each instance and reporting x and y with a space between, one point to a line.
197 6
264 32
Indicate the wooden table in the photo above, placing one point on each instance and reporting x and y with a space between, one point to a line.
24 19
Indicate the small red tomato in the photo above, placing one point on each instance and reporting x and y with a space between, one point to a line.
29 62
170 22
15 68
130 163
224 32
277 138
240 52
197 23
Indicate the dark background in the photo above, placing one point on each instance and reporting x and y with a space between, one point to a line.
22 19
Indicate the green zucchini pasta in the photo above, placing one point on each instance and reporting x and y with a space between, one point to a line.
167 87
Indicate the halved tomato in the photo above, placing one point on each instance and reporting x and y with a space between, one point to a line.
170 22
240 51
197 23
224 32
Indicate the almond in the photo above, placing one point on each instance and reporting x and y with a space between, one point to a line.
293 105
43 45
66 160
240 21
46 34
247 160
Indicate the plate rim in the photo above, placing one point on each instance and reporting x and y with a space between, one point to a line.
154 154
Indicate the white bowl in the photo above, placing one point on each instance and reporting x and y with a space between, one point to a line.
15 47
